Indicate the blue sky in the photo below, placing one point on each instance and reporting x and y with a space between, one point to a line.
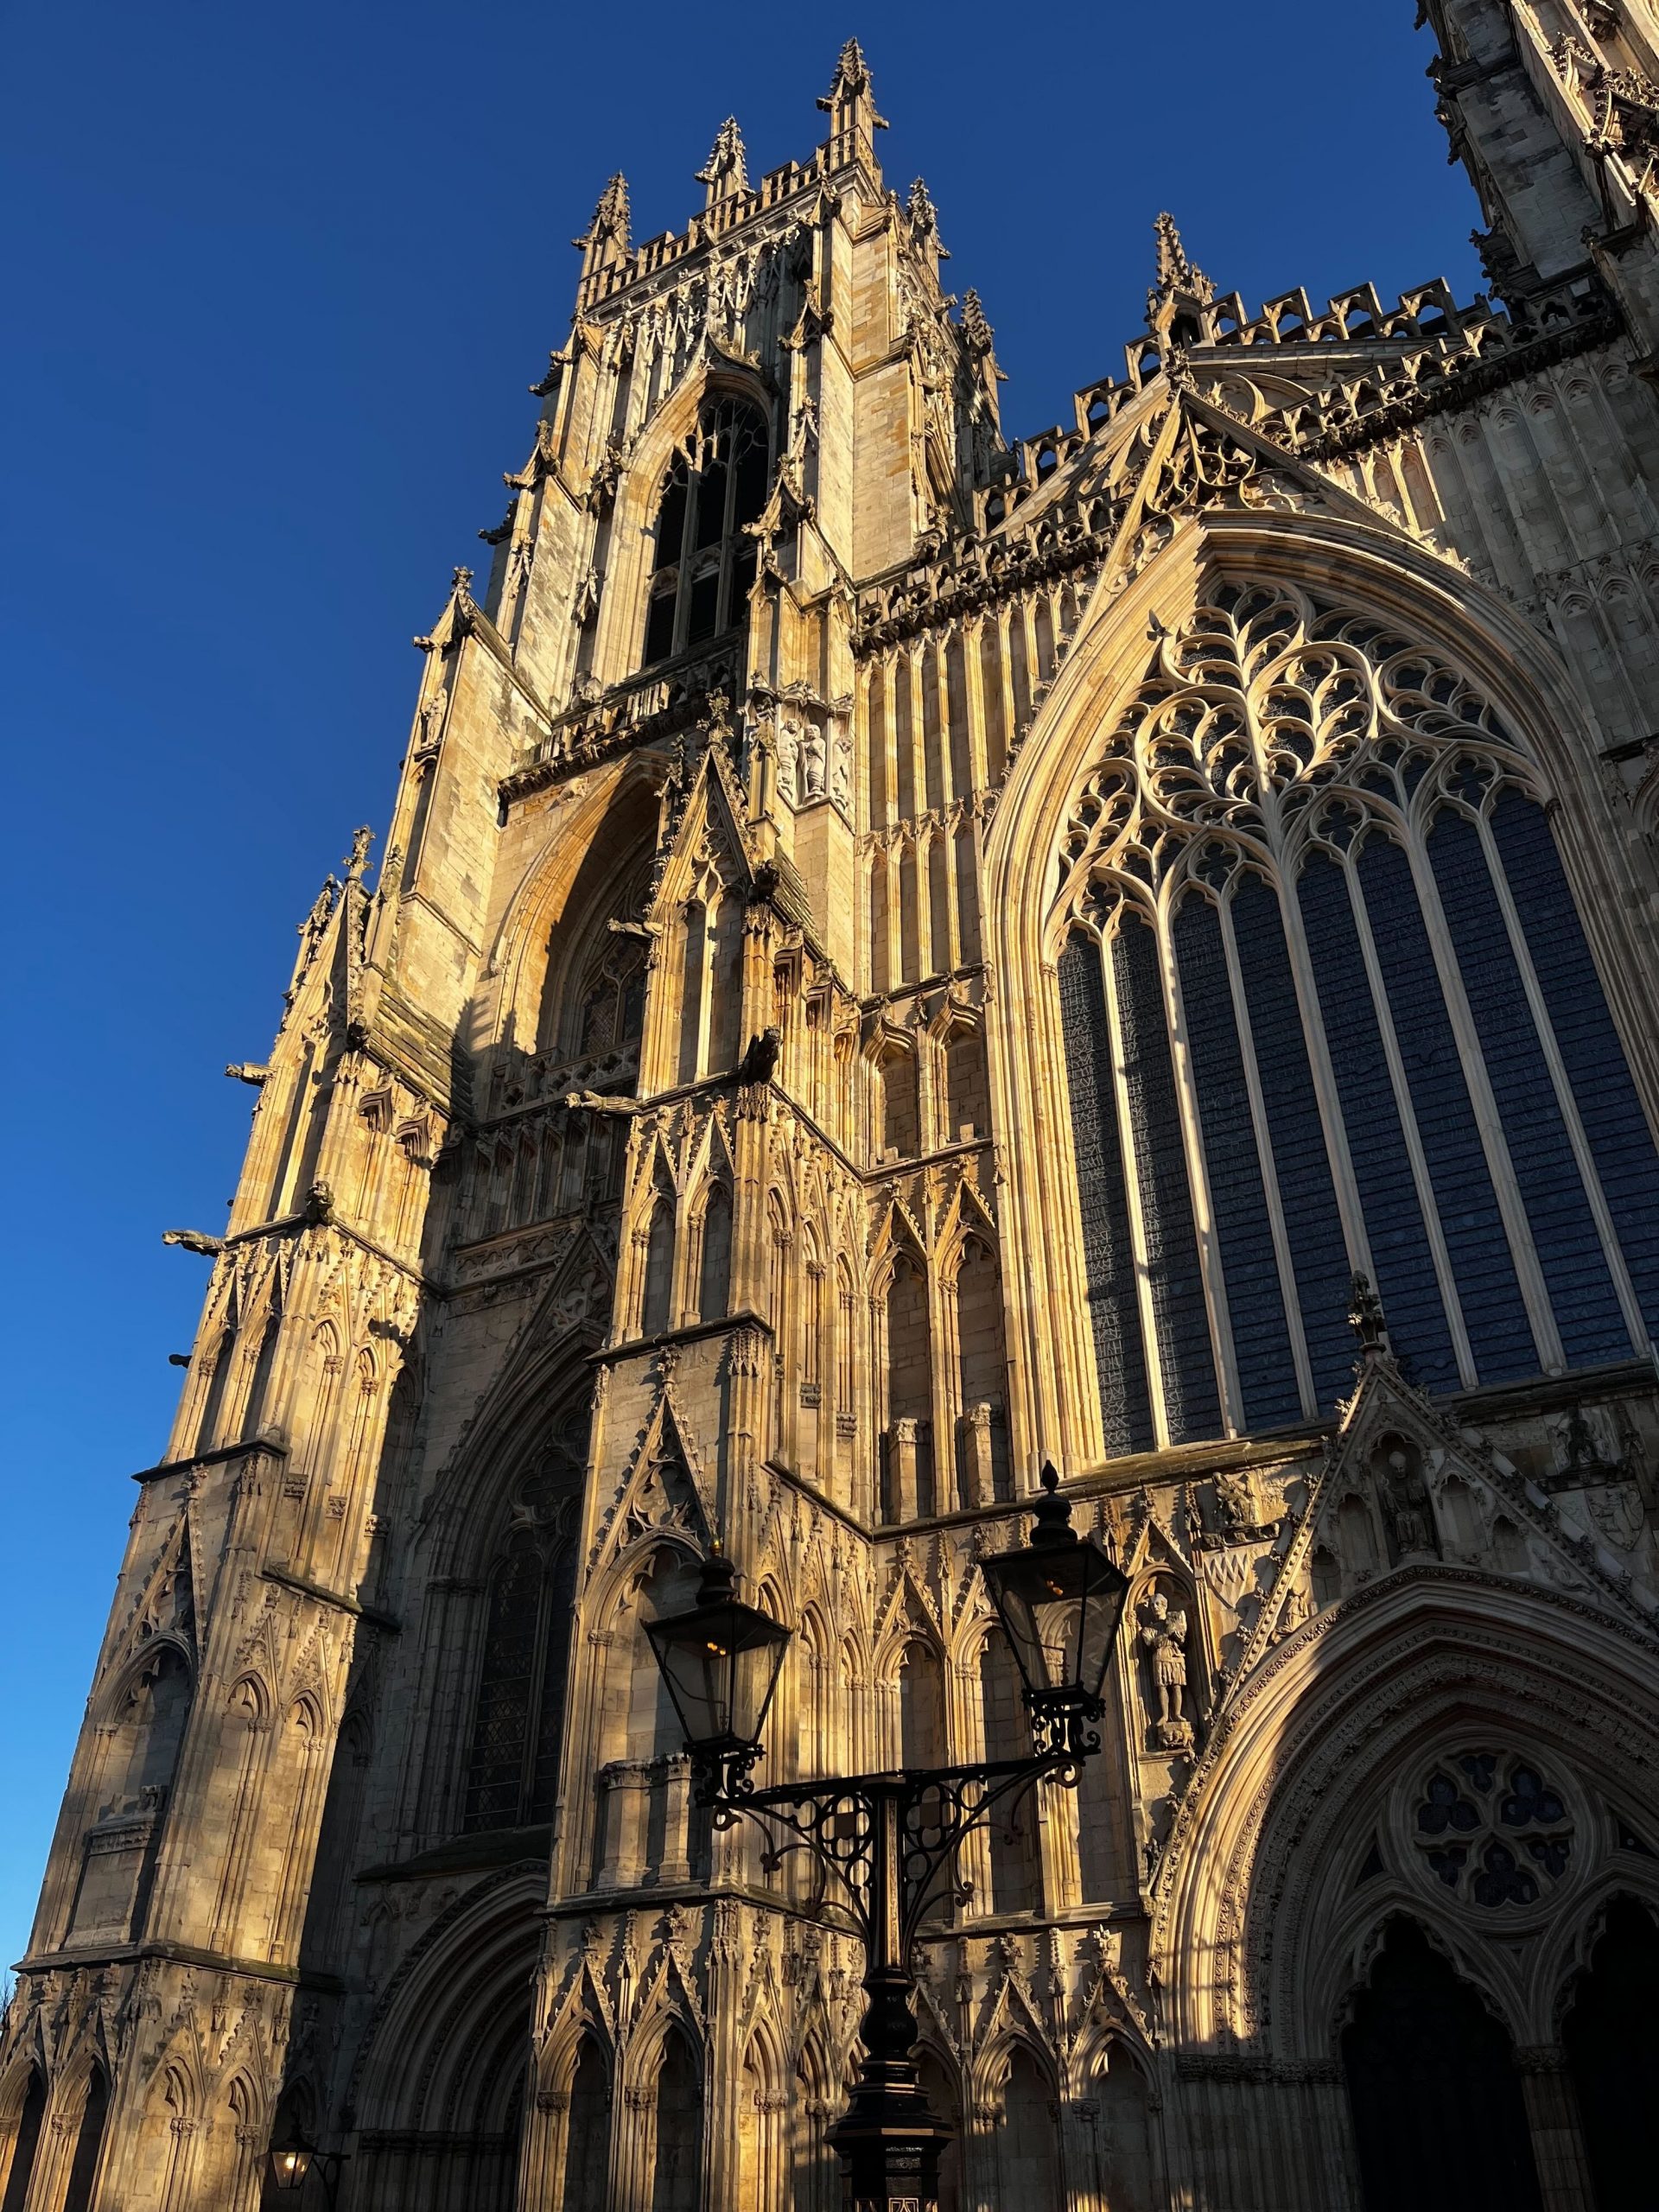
277 280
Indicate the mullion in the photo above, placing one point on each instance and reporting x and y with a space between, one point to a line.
533 1699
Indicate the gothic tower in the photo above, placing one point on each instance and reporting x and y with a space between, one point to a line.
898 955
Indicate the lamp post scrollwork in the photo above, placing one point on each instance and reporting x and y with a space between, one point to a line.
890 1840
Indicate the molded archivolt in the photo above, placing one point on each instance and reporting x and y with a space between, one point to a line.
1303 1829
1310 976
441 2074
558 918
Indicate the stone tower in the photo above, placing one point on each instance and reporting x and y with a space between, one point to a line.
897 956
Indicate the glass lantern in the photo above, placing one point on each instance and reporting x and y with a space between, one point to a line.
721 1661
1060 1601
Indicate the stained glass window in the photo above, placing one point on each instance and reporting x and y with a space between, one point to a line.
1327 1007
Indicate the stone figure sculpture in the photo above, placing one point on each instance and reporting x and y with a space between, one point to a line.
1165 1638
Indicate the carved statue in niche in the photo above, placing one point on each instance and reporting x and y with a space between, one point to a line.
1163 1631
432 710
1299 1606
841 771
812 758
789 761
1403 1495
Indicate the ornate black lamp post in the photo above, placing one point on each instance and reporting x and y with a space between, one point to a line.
891 1840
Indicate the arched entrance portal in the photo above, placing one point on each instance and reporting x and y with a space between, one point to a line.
1438 2113
1611 2036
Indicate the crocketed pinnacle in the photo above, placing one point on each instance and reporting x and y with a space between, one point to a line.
850 100
607 236
725 171
1175 272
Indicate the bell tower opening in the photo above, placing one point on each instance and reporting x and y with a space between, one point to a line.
704 564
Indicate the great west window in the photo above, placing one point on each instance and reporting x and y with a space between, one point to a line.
1327 1004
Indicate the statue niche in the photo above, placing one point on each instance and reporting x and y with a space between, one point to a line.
1407 1512
1163 1633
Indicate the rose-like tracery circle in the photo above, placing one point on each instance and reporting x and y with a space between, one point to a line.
1493 1829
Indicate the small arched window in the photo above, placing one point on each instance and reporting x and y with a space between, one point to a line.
704 562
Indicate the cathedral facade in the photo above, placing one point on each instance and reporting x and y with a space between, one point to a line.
900 955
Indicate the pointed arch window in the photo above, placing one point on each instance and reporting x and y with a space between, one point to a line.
612 1008
89 2144
1327 1005
512 1764
31 2114
588 2128
703 564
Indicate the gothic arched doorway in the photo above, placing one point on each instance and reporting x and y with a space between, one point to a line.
1438 2109
1613 2046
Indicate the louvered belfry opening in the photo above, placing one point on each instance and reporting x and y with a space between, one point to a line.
703 562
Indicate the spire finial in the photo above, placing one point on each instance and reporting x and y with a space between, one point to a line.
975 327
851 101
1176 302
1175 272
607 236
725 172
1172 254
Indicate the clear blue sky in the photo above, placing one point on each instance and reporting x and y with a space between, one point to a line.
276 279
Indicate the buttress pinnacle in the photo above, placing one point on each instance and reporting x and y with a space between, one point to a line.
851 101
725 172
1175 272
607 236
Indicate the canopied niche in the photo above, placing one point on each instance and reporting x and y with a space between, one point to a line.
89 2142
645 1826
676 2150
26 2118
906 1359
587 2127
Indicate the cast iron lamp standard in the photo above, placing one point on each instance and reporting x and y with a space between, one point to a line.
891 1840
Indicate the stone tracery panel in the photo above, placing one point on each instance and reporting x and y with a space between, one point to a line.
1313 937
1493 1831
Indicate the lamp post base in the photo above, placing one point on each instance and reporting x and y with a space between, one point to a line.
890 2157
